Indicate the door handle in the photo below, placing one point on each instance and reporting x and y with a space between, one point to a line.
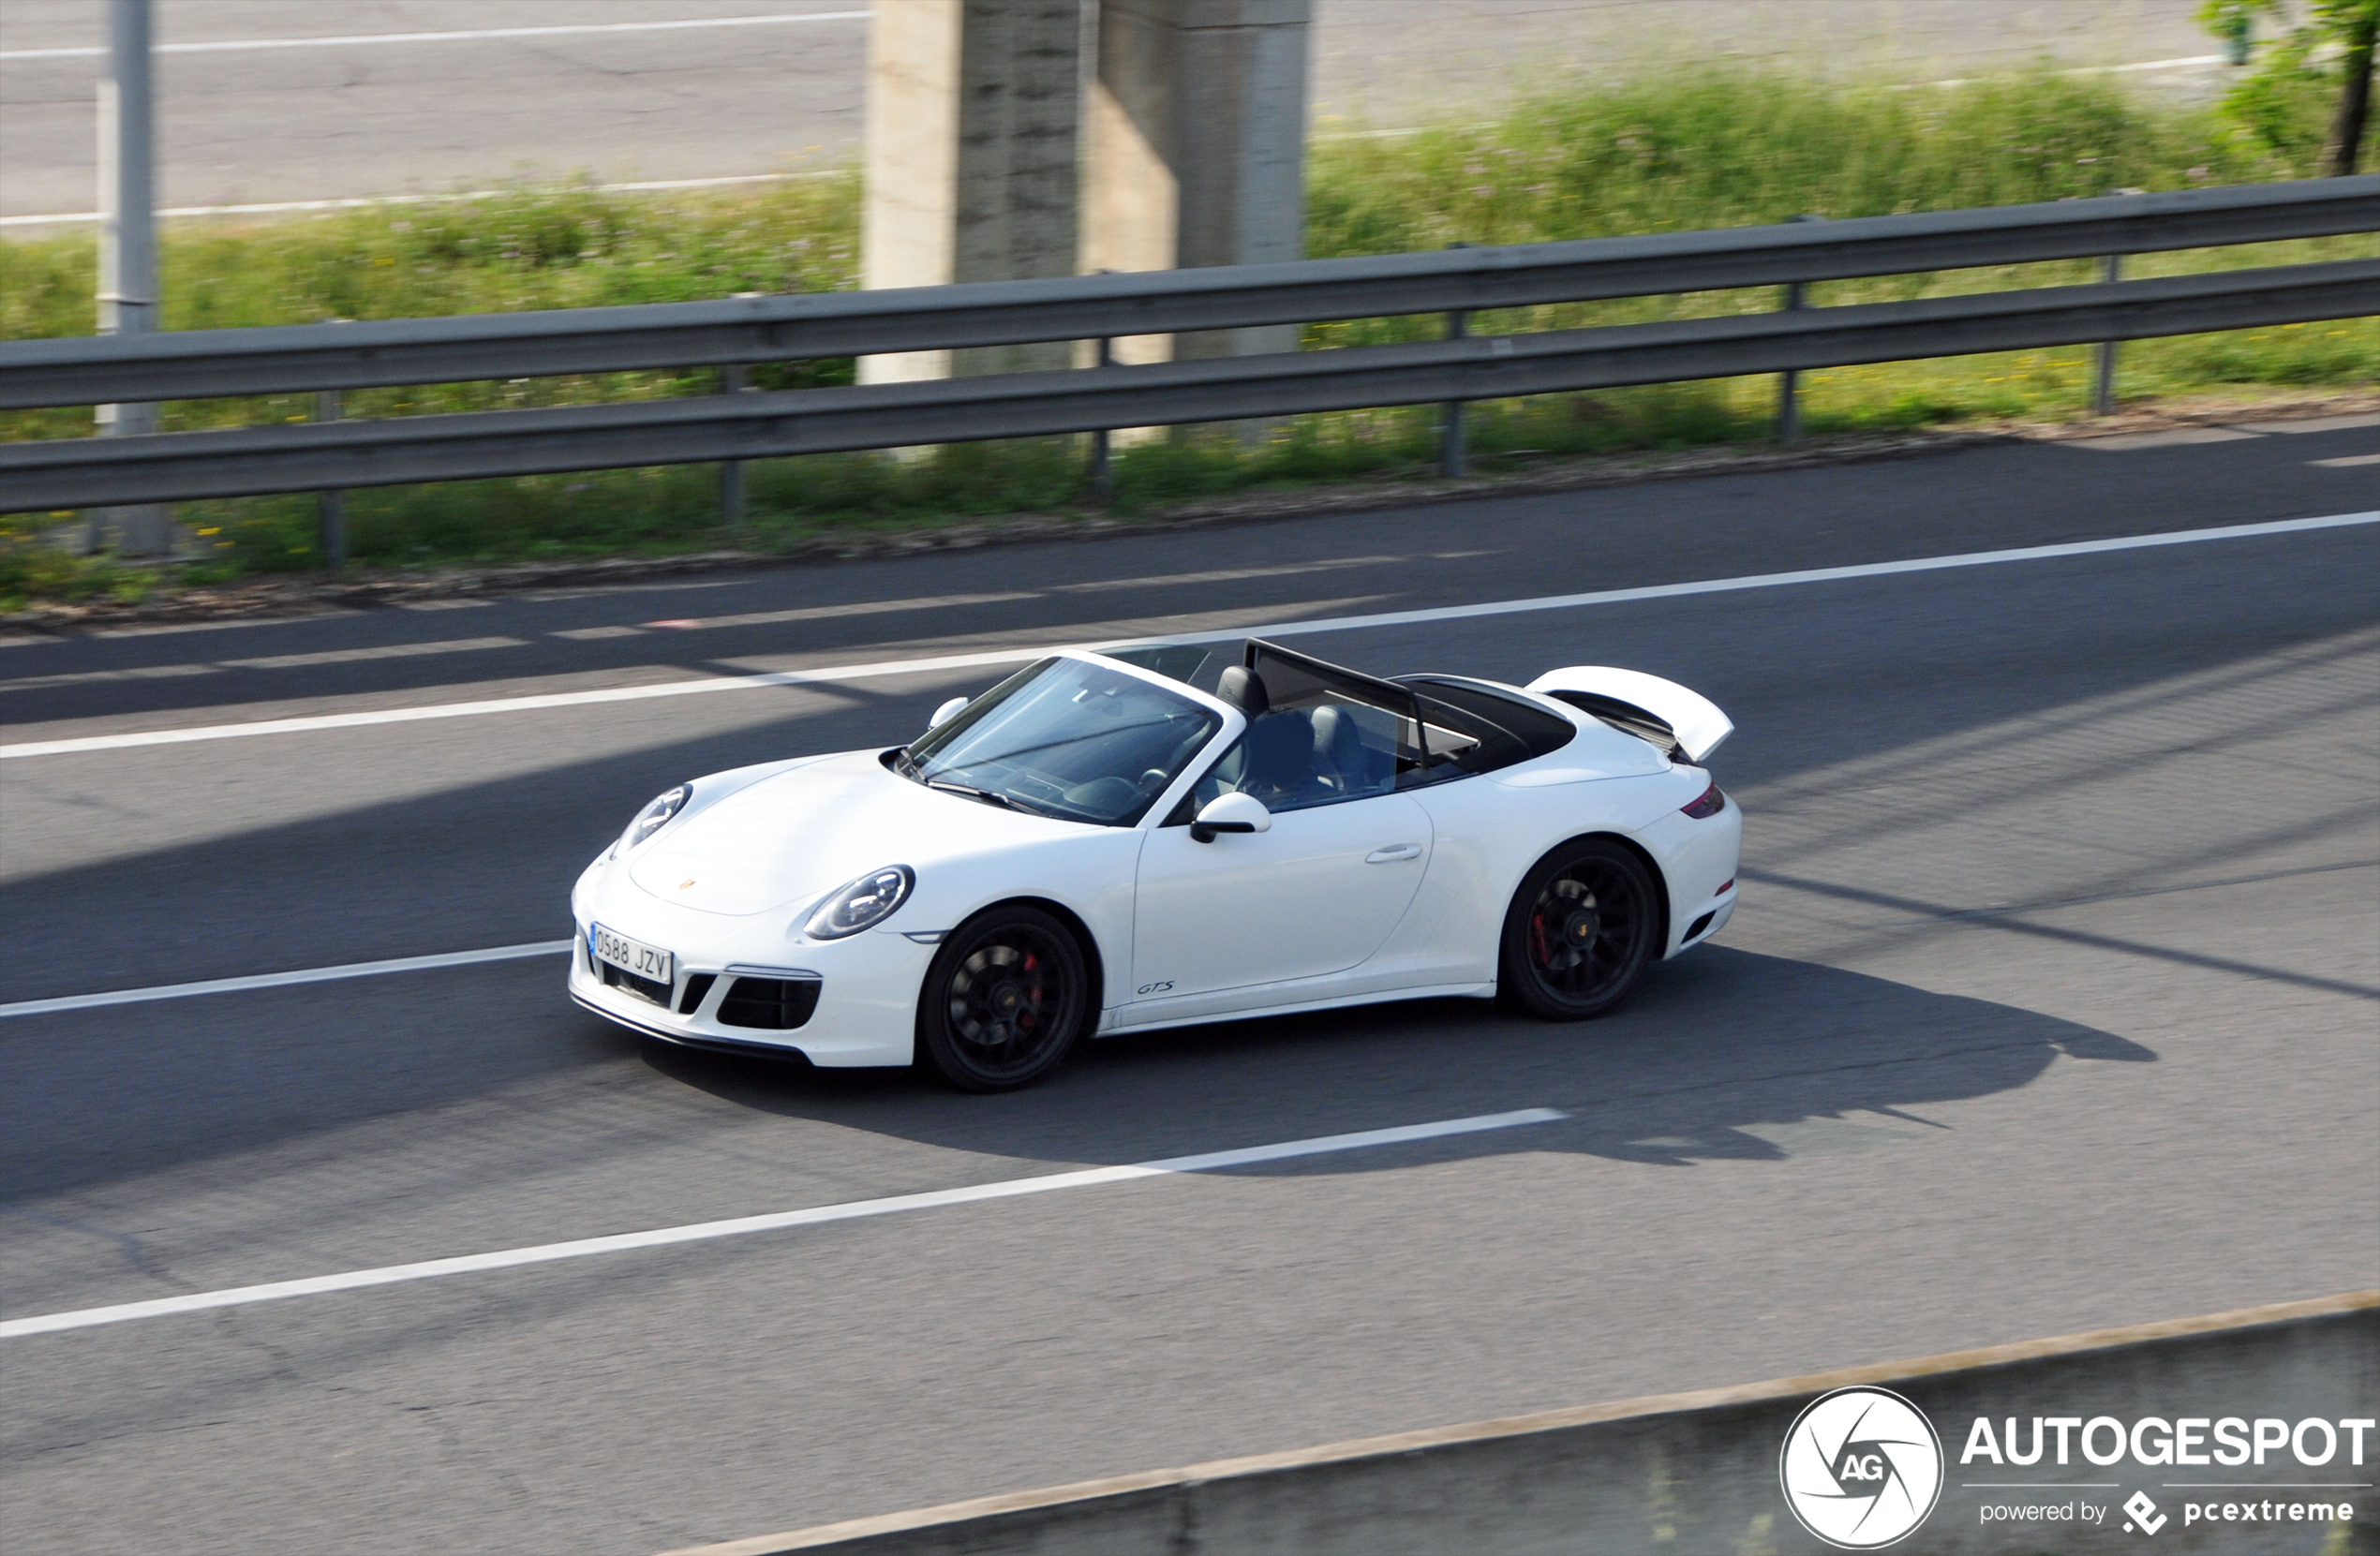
1393 852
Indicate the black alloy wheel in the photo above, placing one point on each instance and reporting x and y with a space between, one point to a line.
1006 999
1581 928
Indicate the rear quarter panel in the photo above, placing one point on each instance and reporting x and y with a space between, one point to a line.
1489 830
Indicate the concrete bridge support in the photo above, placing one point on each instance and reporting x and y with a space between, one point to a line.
1197 130
997 151
972 158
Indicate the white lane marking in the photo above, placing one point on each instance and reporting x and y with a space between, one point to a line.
1328 624
521 704
2173 439
1227 575
2318 424
828 612
2348 461
386 651
1762 581
355 39
84 677
273 662
285 980
357 203
2181 62
663 1236
596 634
160 628
880 607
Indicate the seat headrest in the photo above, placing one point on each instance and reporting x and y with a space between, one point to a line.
1244 690
1337 739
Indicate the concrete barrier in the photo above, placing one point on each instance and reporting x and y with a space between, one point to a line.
1701 1471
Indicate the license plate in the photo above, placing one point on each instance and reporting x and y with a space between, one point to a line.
635 956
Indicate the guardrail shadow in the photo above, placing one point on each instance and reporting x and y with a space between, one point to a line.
1726 1055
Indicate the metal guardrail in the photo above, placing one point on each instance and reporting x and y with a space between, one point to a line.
92 472
481 444
192 364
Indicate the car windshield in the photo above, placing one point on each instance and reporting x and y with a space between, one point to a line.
1067 738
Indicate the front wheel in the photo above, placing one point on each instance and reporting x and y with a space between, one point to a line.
1003 1002
1581 930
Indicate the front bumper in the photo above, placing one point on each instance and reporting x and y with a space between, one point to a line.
867 1005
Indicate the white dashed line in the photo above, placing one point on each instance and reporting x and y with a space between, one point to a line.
271 661
2318 424
283 980
358 202
226 46
1014 1188
1228 575
830 612
385 651
2349 461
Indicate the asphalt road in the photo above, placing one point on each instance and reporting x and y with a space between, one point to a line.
378 117
2049 1007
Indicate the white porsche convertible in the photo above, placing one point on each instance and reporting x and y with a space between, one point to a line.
1112 842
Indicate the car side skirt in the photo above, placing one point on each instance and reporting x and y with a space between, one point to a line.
1112 1025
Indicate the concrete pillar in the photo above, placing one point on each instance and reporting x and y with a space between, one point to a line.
973 106
1197 132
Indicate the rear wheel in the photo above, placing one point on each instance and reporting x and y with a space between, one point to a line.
1005 1000
1580 932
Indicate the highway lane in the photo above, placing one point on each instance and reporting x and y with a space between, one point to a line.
1977 498
536 800
2049 1006
477 102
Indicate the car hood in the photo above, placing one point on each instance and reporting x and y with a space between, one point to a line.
792 838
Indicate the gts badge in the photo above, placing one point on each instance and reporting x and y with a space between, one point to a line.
1155 988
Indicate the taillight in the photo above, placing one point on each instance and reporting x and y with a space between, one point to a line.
1710 805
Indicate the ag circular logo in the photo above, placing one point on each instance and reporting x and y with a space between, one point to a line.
1861 1468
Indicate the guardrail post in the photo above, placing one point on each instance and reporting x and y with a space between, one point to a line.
1789 383
731 472
2102 399
1103 470
333 504
1454 452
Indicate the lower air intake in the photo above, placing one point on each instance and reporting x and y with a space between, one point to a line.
644 989
1695 928
771 1004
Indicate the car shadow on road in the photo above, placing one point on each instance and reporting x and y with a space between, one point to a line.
1725 1054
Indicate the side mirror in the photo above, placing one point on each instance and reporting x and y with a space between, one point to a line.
943 713
1230 813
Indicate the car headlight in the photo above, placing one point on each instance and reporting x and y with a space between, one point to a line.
863 904
654 816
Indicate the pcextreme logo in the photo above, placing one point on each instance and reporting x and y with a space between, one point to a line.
1861 1468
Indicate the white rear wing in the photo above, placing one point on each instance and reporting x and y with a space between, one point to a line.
1692 721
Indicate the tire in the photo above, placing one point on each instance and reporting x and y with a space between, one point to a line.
1583 925
1004 1001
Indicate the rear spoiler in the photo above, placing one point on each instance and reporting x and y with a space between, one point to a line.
1684 724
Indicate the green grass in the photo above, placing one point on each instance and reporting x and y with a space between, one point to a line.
1696 149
